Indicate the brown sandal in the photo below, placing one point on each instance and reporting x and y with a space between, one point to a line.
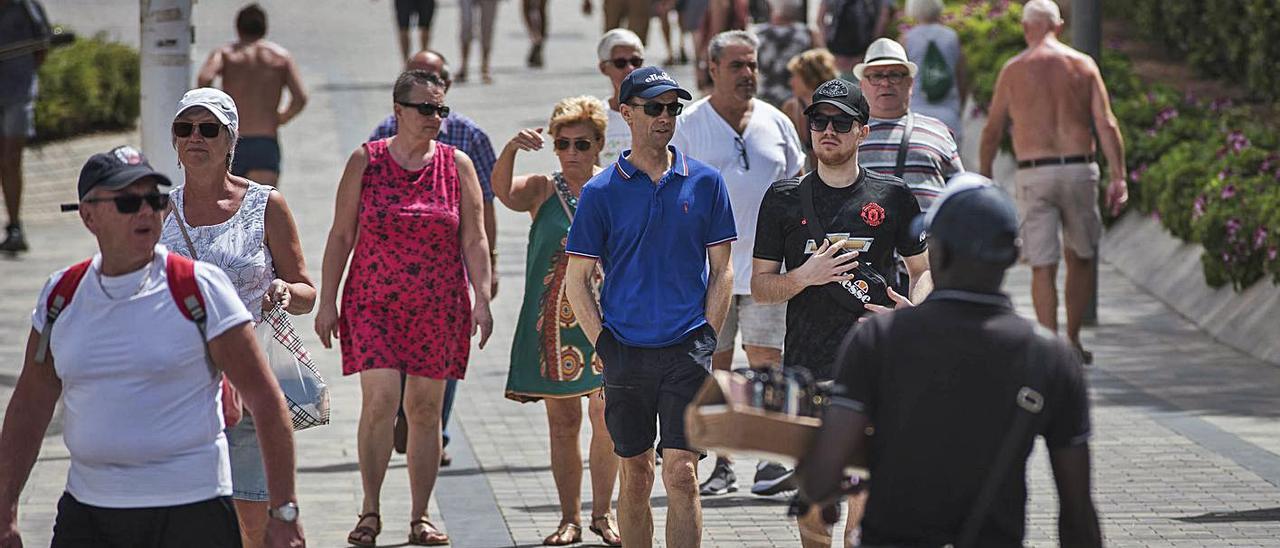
568 533
358 535
428 537
608 533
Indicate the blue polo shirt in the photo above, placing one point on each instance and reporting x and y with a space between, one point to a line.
652 241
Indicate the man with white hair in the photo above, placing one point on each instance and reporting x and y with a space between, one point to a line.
1056 100
620 52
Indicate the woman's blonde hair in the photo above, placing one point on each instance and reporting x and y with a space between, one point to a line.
581 109
813 66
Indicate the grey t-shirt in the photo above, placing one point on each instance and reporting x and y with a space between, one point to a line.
917 45
18 75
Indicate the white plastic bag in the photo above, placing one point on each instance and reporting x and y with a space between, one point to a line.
305 391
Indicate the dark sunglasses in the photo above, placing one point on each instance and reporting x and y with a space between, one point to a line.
582 145
208 130
427 109
131 203
655 108
842 124
621 63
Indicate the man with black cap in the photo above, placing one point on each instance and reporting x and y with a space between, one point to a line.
660 224
140 384
955 419
818 225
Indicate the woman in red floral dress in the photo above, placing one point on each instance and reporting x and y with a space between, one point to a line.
411 208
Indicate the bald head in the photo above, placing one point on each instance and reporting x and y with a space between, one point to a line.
430 61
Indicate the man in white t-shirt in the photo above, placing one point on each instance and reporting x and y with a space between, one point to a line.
753 144
620 52
142 414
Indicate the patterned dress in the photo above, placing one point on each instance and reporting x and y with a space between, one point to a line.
551 357
405 304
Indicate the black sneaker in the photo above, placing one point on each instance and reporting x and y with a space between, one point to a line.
722 481
773 478
14 241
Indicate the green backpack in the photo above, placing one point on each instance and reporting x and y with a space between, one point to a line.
936 78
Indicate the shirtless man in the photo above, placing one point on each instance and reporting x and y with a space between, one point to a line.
255 73
1055 97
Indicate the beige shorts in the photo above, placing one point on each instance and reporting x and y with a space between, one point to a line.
1063 196
761 324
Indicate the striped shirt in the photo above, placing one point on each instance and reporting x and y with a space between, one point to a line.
932 155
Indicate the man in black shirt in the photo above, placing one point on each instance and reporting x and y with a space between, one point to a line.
947 414
817 226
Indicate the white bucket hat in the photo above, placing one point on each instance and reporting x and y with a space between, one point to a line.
882 52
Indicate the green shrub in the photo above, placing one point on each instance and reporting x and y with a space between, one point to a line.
90 85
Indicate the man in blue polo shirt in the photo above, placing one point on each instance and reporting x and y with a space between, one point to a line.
660 224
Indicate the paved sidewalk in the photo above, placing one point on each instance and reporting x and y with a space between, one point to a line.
1186 446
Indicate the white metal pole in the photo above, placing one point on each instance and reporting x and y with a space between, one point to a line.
166 74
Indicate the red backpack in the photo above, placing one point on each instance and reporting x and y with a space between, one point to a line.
181 274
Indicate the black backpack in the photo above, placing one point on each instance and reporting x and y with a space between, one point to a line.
853 26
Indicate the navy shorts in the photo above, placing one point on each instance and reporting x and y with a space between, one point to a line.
645 387
255 153
406 10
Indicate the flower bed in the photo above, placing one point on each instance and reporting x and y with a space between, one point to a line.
90 85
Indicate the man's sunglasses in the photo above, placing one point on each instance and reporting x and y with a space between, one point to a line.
842 124
621 63
654 108
208 130
129 203
582 145
427 109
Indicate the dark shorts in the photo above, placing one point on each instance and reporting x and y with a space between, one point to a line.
647 386
425 10
256 153
211 523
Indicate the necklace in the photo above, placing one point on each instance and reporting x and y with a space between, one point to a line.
146 279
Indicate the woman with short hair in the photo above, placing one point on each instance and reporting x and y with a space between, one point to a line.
808 71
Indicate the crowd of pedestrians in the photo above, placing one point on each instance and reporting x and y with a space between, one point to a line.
800 211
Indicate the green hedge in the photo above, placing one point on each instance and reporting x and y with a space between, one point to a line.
90 85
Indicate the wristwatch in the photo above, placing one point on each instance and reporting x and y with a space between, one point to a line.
287 512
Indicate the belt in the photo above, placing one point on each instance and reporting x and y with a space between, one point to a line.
1059 161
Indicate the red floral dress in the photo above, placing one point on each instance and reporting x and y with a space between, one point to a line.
405 304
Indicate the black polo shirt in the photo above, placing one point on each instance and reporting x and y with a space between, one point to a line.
875 213
938 381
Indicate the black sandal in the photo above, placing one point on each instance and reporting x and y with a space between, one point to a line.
356 536
608 533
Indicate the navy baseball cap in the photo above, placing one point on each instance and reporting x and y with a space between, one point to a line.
649 82
116 169
974 218
844 95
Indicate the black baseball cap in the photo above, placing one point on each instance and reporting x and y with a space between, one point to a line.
974 218
649 82
844 95
114 170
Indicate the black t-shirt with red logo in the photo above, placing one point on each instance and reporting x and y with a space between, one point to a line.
875 213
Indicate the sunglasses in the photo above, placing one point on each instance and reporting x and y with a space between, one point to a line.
208 130
427 109
582 145
620 63
655 108
131 203
842 124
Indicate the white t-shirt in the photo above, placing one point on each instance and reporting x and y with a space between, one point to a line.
142 411
617 137
773 152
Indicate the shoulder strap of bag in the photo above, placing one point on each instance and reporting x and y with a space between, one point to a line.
901 166
191 248
58 300
181 273
819 234
1030 403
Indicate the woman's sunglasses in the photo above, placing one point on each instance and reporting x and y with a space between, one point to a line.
208 130
621 63
131 203
427 109
654 108
842 124
582 145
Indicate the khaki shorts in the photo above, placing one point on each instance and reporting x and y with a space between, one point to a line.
1063 196
761 324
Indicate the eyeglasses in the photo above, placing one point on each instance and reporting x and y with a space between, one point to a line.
894 78
208 130
621 63
427 109
842 124
131 203
742 153
654 108
582 145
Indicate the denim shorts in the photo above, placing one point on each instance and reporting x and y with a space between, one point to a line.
18 120
248 475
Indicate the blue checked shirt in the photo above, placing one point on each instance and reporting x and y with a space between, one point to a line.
463 133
